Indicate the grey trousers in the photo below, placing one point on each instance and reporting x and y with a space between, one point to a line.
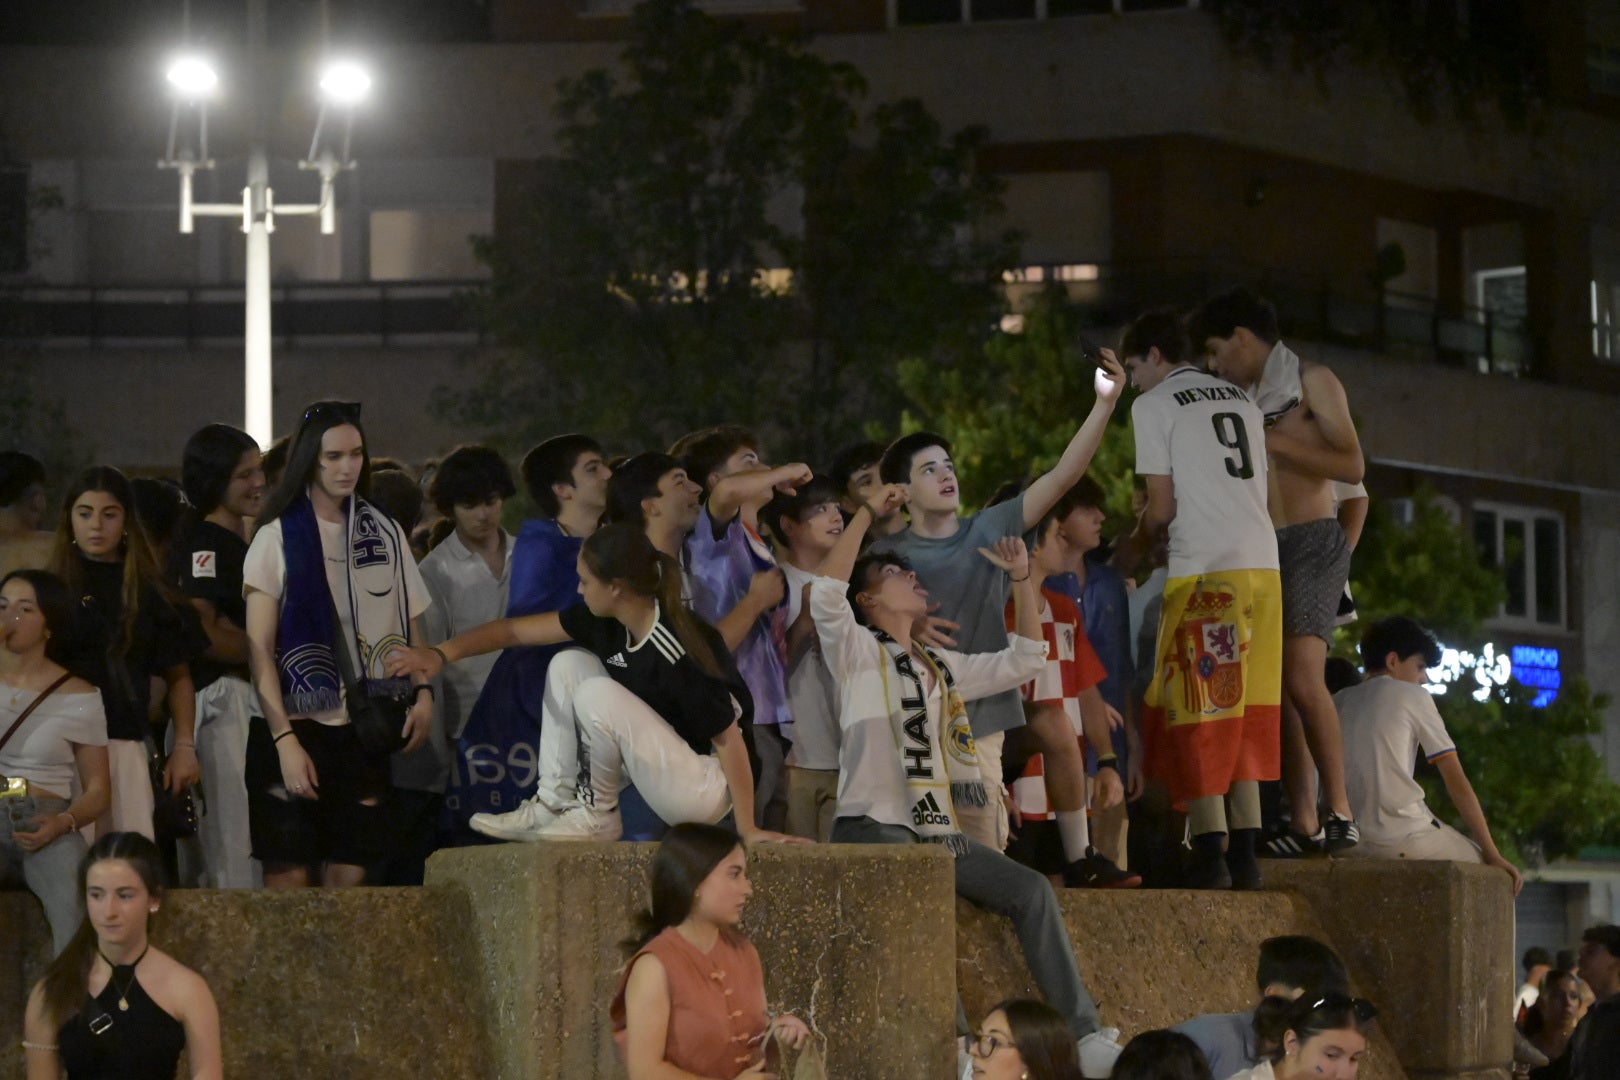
998 884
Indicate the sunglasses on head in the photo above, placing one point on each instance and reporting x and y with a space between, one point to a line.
346 411
1364 1009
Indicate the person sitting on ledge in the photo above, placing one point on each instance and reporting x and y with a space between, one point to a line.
111 1005
650 693
1386 720
1291 966
907 757
691 1002
1315 1038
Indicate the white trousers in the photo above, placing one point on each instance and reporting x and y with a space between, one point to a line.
224 711
1435 841
596 738
132 801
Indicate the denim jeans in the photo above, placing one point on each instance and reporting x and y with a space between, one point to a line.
52 873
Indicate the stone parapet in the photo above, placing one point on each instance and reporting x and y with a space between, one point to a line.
1431 943
1151 958
857 940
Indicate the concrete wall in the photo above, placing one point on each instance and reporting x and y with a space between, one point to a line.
504 964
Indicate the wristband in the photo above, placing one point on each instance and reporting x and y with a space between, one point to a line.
73 822
436 651
1017 580
416 691
1110 761
283 735
184 742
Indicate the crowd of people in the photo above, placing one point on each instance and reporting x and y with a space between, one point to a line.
315 667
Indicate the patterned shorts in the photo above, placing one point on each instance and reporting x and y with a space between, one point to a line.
1314 558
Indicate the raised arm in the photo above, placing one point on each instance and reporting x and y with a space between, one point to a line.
840 561
1047 488
732 492
1341 458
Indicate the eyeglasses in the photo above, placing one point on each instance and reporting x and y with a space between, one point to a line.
1364 1009
347 411
984 1046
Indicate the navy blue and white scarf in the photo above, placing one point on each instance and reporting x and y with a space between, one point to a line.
379 607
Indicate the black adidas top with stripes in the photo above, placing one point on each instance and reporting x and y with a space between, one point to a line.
658 671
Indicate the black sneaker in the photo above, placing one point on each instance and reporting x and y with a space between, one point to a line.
1095 871
1288 844
1245 873
1206 872
1341 834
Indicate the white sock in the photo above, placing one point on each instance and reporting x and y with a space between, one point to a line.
1075 832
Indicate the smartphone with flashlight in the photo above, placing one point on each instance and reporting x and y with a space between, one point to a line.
1090 349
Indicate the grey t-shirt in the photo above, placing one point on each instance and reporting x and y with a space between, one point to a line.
972 592
1227 1040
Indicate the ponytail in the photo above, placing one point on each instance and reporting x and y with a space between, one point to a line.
622 553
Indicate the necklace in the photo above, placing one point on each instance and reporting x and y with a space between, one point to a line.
123 991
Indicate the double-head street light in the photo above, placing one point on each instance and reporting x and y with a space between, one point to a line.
193 81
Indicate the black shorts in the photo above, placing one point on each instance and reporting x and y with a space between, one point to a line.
337 826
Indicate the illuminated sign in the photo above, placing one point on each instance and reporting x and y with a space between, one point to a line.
1535 669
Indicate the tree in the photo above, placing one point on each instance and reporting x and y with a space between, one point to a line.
636 296
1010 411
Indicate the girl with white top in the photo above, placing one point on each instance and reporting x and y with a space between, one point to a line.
1314 1038
63 733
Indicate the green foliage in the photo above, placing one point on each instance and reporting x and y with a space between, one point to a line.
1542 785
1429 570
1010 411
1438 54
632 294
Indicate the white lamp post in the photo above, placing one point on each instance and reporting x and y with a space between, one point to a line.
343 85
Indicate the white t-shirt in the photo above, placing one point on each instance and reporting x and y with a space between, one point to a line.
265 569
1209 438
41 750
812 697
1385 722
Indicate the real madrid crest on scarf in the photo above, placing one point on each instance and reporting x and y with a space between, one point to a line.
940 761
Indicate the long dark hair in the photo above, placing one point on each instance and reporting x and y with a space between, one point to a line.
66 983
304 454
1161 1055
55 602
1306 1018
1043 1039
688 854
141 573
621 552
1535 1021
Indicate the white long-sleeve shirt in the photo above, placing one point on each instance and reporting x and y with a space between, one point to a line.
872 781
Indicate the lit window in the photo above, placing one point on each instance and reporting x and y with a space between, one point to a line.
1528 545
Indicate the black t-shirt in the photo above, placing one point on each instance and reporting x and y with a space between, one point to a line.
660 673
163 636
207 565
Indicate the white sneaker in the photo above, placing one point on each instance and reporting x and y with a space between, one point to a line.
584 823
524 823
1098 1052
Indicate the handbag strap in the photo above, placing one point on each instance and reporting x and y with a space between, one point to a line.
32 705
340 645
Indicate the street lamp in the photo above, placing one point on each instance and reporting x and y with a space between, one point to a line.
343 85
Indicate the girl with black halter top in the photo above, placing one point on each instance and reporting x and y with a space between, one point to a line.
111 1006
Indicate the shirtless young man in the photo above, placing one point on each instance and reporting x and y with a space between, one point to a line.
1311 442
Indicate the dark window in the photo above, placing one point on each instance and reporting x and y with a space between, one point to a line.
924 12
1549 571
13 219
991 10
1513 537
